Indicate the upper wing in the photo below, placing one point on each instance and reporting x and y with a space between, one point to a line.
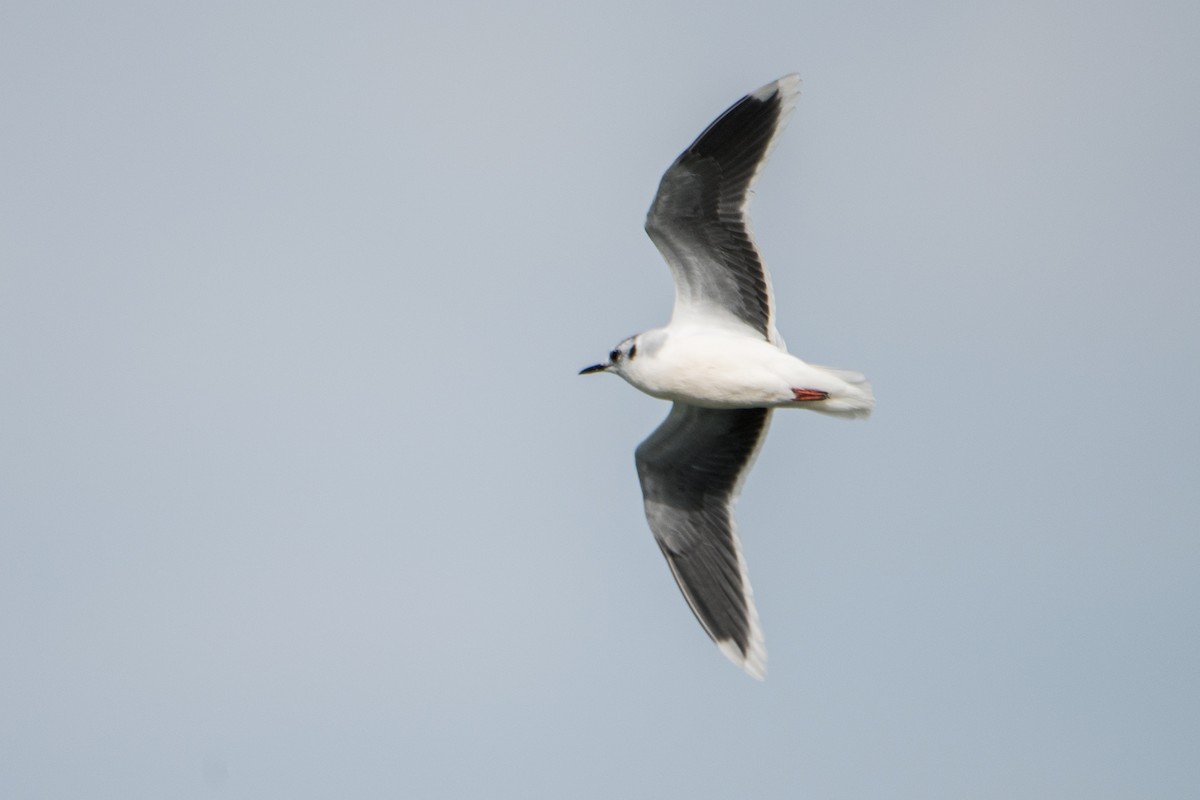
698 218
691 469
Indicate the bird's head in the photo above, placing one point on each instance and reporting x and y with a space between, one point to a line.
620 356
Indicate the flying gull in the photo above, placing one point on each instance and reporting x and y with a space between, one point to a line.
723 366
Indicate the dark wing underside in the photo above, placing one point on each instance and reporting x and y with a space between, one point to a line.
698 218
691 469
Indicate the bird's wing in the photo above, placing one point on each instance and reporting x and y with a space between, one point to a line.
698 219
691 469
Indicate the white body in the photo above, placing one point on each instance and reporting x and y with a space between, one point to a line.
723 367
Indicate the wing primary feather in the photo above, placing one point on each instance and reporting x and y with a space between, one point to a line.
691 470
698 218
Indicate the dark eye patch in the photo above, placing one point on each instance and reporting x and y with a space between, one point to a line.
614 356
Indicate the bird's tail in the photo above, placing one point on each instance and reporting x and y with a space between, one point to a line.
851 398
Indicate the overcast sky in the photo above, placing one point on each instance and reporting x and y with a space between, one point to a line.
300 495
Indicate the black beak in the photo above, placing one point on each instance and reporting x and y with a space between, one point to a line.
594 368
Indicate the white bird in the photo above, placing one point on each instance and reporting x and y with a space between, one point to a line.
722 364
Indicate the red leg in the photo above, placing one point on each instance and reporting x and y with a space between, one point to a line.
810 394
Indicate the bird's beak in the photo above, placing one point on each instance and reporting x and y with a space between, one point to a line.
594 368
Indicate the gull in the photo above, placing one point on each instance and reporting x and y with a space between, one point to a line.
722 364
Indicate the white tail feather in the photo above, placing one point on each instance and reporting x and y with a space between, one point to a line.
853 399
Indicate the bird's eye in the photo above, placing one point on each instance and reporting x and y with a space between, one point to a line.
614 356
632 350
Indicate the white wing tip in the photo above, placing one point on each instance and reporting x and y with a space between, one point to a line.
788 86
754 661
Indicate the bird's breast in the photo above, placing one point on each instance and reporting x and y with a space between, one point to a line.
713 372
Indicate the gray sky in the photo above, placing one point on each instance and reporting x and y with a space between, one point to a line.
300 495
